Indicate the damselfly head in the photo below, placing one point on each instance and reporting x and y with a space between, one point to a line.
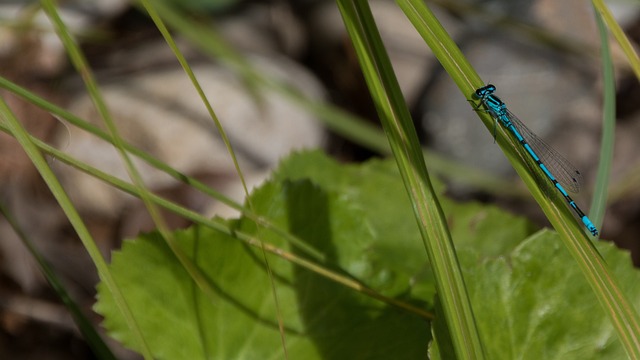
485 91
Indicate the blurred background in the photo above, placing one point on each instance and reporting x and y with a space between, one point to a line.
267 67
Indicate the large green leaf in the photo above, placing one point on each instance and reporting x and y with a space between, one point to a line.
525 295
322 319
536 304
376 189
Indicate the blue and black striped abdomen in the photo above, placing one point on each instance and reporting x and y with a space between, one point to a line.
549 160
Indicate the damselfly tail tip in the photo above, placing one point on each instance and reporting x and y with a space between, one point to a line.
592 228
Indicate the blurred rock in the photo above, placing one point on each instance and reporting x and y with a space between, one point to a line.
410 57
162 114
543 86
47 55
265 28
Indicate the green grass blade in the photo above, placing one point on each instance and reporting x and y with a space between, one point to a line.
211 43
605 286
223 226
196 84
185 65
467 80
599 201
61 196
80 63
623 315
156 163
347 125
403 139
88 331
78 60
616 30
